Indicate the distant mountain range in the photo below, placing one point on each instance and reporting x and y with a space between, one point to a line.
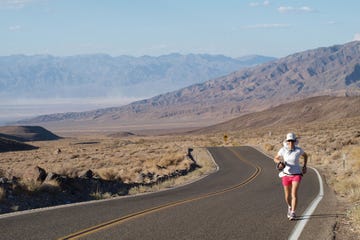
331 70
96 76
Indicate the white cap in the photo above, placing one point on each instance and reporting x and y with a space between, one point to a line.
290 137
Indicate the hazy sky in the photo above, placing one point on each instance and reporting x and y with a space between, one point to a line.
156 27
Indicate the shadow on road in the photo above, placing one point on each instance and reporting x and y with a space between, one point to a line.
327 215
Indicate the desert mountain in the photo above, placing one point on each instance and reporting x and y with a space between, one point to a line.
331 70
45 76
315 109
27 133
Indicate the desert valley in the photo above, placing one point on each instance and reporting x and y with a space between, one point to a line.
160 142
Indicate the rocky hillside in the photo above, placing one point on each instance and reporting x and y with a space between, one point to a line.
315 109
331 70
45 76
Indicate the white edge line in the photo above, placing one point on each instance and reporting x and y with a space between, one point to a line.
299 227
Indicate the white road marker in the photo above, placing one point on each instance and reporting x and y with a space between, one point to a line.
299 227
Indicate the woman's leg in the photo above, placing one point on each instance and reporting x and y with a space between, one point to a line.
287 191
294 194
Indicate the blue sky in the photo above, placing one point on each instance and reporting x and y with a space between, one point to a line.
156 27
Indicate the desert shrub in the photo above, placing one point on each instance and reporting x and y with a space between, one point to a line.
108 174
269 147
354 215
30 185
171 160
347 184
67 170
143 189
353 180
355 156
126 178
98 194
139 178
131 174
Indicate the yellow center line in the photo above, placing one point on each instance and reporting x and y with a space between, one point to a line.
123 219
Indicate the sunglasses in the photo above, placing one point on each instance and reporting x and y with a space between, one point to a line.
290 140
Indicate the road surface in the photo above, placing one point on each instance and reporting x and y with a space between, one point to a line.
243 200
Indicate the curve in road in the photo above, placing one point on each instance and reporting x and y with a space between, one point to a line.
243 200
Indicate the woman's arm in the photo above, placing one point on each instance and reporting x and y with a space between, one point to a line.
277 159
280 165
304 168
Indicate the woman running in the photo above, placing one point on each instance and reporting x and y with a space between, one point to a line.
288 160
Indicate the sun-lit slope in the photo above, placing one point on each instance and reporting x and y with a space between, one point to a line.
316 109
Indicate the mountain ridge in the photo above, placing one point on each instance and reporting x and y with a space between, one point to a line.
101 75
333 70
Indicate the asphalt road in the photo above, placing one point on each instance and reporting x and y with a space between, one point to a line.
243 200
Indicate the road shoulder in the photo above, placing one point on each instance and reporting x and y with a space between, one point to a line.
325 219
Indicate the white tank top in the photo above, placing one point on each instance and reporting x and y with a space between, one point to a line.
291 158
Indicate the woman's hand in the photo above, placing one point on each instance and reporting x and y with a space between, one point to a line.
280 166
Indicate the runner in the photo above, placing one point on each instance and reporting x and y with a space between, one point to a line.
288 160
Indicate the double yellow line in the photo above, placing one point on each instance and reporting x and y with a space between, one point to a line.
123 219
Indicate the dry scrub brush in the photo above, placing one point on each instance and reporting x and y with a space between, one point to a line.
204 161
111 159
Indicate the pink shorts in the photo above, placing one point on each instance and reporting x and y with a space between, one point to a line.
287 180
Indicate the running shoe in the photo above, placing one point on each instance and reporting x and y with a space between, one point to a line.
292 216
289 212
